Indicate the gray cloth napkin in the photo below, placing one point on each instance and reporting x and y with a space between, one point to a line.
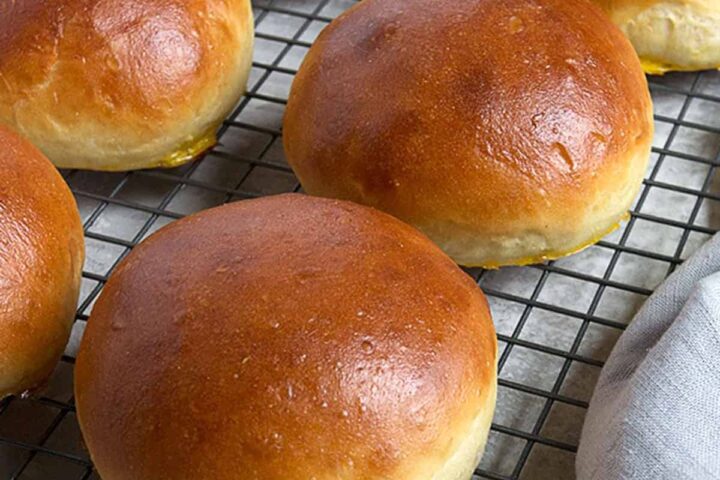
655 412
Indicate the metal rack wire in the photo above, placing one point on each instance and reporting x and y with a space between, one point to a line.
556 322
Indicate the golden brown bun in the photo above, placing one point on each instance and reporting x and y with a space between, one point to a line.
670 34
287 337
509 131
41 257
122 84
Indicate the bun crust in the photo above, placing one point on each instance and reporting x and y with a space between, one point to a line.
508 131
122 84
41 257
670 35
287 337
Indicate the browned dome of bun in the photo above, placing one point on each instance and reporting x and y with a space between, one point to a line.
41 257
122 84
287 337
508 131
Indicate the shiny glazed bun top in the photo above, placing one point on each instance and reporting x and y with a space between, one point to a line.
509 131
670 34
287 337
41 257
122 84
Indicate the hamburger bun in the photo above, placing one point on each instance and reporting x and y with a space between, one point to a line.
287 337
670 35
122 84
508 131
41 257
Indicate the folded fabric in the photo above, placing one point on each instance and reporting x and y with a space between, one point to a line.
655 412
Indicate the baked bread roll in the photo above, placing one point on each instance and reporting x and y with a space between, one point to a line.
670 34
509 132
122 84
41 257
287 337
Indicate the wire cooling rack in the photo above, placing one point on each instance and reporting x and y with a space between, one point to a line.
556 323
